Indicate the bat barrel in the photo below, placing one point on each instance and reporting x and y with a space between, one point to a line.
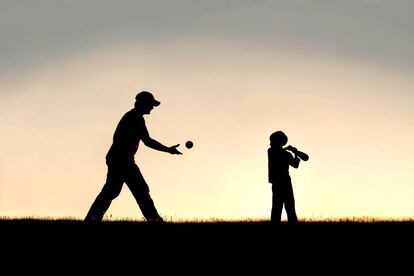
302 155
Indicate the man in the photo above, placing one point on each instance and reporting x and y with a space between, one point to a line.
121 163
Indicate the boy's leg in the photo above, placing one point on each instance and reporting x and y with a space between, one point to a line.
290 203
277 204
140 190
111 189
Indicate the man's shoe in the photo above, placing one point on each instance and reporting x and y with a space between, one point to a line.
93 219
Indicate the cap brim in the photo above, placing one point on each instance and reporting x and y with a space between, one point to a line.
156 103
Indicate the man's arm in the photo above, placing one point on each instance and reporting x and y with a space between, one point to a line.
154 144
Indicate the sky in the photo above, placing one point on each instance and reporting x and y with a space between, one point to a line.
335 76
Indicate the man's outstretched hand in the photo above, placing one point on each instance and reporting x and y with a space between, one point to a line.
174 150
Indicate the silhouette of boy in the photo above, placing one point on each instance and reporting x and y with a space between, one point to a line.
279 160
121 163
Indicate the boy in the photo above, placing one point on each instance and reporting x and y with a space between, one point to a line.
279 160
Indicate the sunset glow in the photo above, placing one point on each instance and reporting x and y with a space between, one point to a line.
224 83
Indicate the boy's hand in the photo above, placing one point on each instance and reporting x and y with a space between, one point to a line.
292 149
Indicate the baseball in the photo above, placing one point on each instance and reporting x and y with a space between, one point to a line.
188 144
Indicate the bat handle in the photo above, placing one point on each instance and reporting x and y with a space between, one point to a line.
303 156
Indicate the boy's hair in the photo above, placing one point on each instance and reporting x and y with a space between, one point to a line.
278 138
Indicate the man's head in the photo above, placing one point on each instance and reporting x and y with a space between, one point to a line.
145 102
278 139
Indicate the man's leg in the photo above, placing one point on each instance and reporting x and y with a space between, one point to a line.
111 189
140 190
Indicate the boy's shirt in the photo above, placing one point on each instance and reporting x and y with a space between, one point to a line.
279 161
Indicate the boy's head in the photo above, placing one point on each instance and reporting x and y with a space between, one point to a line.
278 139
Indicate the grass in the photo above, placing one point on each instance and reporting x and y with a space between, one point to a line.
362 236
110 220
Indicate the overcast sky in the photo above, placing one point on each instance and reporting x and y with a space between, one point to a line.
33 32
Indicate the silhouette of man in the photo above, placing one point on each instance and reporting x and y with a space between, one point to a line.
279 160
121 163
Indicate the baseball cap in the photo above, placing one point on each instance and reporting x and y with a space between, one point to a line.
145 96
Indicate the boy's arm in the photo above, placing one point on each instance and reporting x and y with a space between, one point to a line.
294 161
269 166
